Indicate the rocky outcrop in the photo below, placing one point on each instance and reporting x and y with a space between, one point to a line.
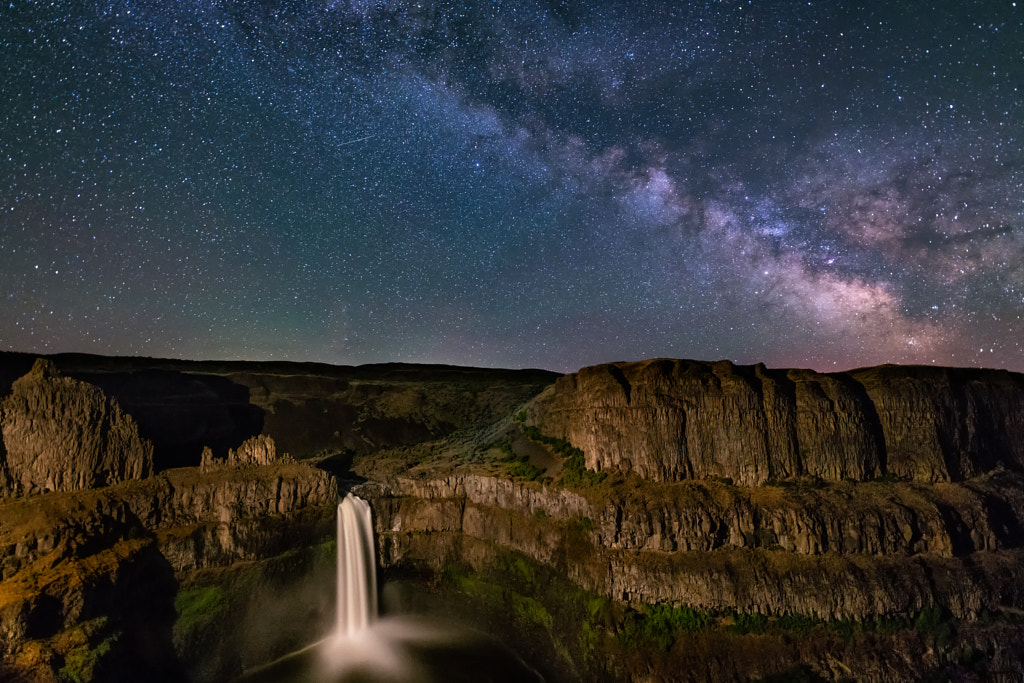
61 434
946 424
867 496
63 558
256 451
670 420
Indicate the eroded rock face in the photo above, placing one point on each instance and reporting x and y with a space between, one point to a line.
670 420
68 556
64 435
842 551
256 451
946 424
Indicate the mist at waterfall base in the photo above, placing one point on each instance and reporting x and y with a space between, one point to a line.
365 648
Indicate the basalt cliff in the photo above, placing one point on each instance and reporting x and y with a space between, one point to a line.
653 521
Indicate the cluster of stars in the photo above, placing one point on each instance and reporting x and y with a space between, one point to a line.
516 184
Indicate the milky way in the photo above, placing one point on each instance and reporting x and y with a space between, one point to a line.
813 184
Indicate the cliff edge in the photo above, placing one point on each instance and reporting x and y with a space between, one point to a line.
673 420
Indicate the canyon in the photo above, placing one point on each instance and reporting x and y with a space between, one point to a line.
654 521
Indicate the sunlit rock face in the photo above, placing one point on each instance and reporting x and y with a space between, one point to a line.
671 420
64 435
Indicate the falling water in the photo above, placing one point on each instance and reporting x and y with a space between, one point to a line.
357 574
394 649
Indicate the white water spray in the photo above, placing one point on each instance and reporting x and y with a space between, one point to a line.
357 572
395 649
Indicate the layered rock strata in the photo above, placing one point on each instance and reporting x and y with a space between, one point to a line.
842 551
671 420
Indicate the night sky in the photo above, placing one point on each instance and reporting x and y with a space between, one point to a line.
515 184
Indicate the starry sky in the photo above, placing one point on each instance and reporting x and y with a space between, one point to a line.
514 184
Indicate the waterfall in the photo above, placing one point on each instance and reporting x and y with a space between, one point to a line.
357 571
396 648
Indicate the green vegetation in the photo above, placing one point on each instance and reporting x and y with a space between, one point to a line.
659 626
744 623
935 624
91 642
472 584
798 624
529 610
887 625
519 568
326 551
518 466
512 583
591 630
574 468
805 483
198 608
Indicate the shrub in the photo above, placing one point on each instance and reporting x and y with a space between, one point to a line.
82 663
529 610
799 624
518 569
744 623
574 467
659 625
933 623
197 609
575 472
518 466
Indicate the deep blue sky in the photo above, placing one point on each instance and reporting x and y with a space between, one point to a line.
816 184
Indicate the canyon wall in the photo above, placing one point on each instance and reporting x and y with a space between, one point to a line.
191 520
97 553
671 420
851 551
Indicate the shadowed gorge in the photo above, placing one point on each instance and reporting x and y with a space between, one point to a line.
659 520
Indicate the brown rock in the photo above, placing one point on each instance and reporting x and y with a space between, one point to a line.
257 450
669 420
62 435
947 424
